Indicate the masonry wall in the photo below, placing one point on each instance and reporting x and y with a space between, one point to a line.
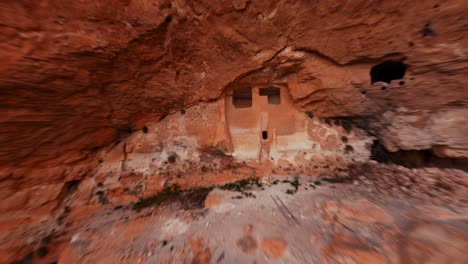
284 125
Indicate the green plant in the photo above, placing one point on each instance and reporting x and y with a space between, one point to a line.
145 129
241 186
337 180
238 186
248 194
346 126
259 185
191 198
215 152
166 194
295 183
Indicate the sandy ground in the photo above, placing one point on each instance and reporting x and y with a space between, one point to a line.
320 223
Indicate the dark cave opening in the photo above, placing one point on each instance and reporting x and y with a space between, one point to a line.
264 135
388 71
416 158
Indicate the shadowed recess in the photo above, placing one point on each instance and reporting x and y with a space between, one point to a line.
388 71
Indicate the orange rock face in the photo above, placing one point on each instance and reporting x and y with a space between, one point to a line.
108 102
345 249
201 253
442 244
213 200
273 247
76 76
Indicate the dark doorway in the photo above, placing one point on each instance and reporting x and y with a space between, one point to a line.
388 71
273 94
242 97
264 135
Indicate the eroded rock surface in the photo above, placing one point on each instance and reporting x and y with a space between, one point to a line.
320 223
78 75
108 103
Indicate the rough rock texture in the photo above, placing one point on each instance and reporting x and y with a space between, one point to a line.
274 247
333 223
81 82
77 75
182 149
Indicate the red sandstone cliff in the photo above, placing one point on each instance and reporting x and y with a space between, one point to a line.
77 78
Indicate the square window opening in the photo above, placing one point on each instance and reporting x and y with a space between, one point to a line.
242 97
273 94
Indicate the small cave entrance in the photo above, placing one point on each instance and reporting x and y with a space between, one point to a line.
242 97
264 135
416 158
273 94
388 71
